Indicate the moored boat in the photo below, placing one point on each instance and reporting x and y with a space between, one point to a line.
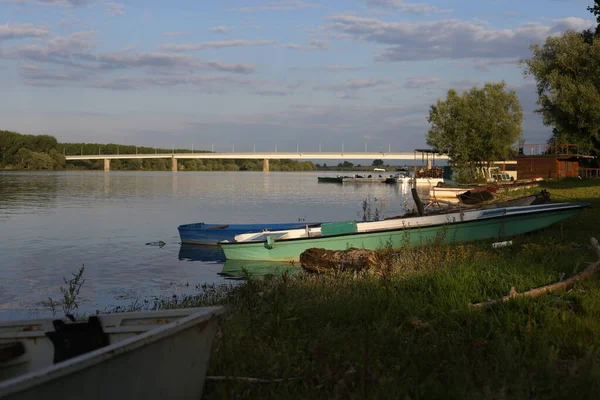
330 179
212 234
476 196
405 178
454 227
136 355
541 197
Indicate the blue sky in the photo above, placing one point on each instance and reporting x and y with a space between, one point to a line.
253 73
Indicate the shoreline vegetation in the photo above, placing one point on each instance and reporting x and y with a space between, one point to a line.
43 152
410 329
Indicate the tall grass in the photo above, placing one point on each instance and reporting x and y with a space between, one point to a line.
409 332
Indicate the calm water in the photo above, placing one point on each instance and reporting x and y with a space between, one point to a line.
51 223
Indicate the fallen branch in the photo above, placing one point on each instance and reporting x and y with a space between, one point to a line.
321 260
513 294
246 379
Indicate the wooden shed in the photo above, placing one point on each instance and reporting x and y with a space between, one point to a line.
548 162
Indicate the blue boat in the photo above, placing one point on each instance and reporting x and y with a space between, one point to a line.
212 234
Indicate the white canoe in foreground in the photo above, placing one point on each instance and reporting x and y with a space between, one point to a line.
149 355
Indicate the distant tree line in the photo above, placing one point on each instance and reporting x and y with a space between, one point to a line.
44 152
29 151
349 166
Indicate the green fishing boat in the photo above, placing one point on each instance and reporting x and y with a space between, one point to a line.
462 226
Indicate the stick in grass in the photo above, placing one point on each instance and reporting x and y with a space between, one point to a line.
247 379
586 273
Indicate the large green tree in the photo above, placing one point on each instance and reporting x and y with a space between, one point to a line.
595 9
567 72
476 127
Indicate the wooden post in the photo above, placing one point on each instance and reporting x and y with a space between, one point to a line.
417 200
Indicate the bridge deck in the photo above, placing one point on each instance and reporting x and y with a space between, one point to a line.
263 156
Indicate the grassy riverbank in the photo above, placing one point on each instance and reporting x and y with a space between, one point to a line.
411 334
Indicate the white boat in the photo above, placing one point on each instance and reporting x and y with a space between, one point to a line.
352 227
135 355
446 193
403 178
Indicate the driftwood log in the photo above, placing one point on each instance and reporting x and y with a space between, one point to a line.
356 260
513 294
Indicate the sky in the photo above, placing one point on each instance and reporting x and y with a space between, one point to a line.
250 75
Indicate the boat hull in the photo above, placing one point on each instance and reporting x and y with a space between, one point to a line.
157 358
407 236
212 234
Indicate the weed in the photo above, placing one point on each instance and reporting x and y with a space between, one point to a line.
70 300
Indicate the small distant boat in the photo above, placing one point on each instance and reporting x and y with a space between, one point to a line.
460 226
212 234
476 196
443 192
136 355
404 178
330 179
357 178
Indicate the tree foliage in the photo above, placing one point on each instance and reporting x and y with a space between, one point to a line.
476 127
567 72
44 152
595 9
346 164
377 163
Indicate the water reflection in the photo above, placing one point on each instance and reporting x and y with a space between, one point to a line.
239 269
52 222
27 190
195 252
235 269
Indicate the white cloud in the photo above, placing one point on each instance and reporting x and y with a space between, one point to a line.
283 5
78 61
486 65
115 9
215 45
354 84
415 82
208 83
21 31
171 34
221 29
411 8
450 39
340 67
314 45
271 92
64 3
30 67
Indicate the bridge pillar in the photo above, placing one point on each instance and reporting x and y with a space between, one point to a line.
173 164
428 164
106 164
266 165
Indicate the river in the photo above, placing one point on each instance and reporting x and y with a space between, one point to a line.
53 222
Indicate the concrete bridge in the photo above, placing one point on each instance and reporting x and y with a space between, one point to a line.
174 157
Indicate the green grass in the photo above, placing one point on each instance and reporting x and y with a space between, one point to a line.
410 333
